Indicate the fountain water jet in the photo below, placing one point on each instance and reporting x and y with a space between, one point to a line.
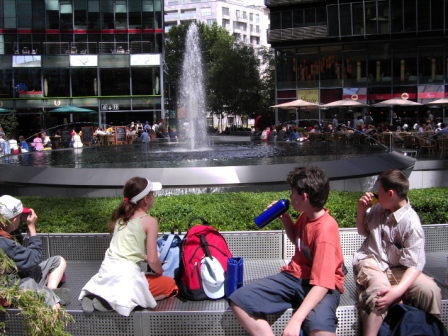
192 92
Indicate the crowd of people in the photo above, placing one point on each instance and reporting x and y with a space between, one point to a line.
387 266
138 132
144 133
366 127
40 142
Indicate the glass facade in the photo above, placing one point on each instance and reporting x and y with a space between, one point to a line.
375 49
100 54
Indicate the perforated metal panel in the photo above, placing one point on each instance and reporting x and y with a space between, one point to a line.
255 244
436 267
263 251
78 274
107 324
191 323
44 239
444 315
436 237
349 297
350 243
14 322
80 247
348 322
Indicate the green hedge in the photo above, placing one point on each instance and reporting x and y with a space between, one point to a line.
225 211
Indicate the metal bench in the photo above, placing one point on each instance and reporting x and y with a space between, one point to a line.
264 252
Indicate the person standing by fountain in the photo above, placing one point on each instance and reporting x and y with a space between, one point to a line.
120 284
313 280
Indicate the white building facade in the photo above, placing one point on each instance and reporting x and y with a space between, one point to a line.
246 23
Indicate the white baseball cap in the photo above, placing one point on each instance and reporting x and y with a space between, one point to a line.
11 207
212 278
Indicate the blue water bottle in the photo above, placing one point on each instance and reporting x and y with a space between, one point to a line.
272 213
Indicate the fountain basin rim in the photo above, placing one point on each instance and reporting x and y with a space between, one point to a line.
197 176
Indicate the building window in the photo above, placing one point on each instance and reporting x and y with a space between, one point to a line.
225 11
230 121
238 14
251 16
244 16
225 23
120 15
206 11
257 18
257 29
210 22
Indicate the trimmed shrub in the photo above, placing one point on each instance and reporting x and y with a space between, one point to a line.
225 211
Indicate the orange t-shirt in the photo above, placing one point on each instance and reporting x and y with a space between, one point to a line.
318 256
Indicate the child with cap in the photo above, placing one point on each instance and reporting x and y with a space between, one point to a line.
313 280
35 274
120 284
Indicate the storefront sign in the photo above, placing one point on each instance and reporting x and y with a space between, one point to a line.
145 59
30 94
311 96
83 60
26 61
110 107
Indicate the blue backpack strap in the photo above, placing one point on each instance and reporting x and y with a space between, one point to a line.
166 247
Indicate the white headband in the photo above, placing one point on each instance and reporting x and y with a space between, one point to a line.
142 194
149 187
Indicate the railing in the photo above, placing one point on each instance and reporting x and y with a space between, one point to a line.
78 48
299 33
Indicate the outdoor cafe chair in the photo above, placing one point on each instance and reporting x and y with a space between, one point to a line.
426 143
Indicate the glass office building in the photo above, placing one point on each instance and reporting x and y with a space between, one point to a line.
366 50
104 55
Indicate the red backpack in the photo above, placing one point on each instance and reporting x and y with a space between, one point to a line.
200 241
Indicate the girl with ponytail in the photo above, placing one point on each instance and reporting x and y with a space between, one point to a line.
120 284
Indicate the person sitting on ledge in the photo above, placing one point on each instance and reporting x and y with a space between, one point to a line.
120 284
37 143
313 280
46 142
36 275
23 144
388 265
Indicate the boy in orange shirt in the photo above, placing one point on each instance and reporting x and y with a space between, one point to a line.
313 280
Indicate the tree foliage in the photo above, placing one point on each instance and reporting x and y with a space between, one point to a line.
9 124
235 79
232 69
267 77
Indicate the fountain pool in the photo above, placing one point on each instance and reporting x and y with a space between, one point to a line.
225 166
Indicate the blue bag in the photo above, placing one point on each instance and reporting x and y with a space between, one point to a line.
234 275
404 320
168 247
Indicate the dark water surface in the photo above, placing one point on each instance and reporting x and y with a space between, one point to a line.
177 155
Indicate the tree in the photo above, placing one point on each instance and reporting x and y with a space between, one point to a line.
232 75
235 79
9 124
267 78
175 48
